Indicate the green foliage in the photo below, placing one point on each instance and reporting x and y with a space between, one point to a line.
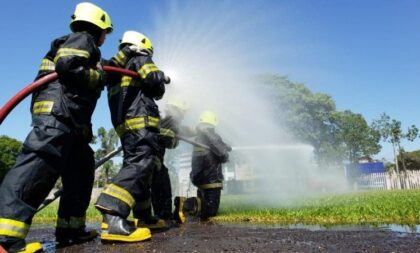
390 130
412 160
9 150
374 207
108 141
312 118
357 136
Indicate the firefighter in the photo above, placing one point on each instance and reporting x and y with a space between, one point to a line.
174 113
206 173
135 117
58 145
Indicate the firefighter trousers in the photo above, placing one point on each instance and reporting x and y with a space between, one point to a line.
205 205
47 154
162 193
132 183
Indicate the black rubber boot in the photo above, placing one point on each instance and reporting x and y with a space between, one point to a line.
69 236
154 223
191 206
13 245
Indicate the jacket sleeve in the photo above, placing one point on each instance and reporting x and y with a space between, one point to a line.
152 77
73 61
217 146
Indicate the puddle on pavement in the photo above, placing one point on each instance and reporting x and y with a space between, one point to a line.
409 229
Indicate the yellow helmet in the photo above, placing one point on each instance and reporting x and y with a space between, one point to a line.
178 103
137 39
208 117
88 12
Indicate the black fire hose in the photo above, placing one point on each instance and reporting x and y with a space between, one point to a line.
58 193
98 164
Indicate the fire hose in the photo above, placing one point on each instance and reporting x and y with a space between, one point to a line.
15 100
8 107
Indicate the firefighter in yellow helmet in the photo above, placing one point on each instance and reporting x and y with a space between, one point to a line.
170 128
58 145
135 117
206 173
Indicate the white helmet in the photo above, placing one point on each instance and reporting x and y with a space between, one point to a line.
137 39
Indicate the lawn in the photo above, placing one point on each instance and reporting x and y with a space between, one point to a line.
370 207
373 207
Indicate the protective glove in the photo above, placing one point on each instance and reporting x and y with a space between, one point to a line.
138 51
166 79
158 92
124 54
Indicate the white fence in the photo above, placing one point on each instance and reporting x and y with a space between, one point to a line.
390 180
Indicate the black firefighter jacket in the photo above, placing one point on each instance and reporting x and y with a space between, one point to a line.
132 100
72 98
207 164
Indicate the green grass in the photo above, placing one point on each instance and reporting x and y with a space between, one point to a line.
49 214
372 207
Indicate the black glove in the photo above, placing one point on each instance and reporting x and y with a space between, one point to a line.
224 158
166 79
159 91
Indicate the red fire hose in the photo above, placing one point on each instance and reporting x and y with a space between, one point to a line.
8 107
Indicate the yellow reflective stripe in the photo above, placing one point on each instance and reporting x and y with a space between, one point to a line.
146 69
93 78
120 58
153 121
198 205
125 81
62 52
42 107
144 204
47 64
199 149
136 123
210 186
13 228
167 132
119 193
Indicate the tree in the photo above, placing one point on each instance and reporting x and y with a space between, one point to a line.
308 116
412 160
9 150
390 130
108 142
359 139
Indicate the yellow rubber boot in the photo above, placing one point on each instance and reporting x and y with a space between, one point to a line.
121 230
32 247
179 215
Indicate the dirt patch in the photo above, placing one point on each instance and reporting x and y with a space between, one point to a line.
208 237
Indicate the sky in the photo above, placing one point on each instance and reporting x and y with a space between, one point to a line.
363 53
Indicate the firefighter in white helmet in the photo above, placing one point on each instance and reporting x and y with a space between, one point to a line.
135 116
